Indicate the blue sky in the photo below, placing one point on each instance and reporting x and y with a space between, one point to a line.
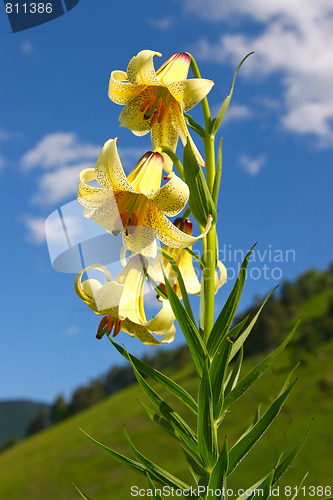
56 115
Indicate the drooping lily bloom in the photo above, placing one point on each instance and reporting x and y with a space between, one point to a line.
184 261
121 303
137 205
155 100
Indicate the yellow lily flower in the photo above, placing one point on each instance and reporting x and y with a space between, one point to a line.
137 205
156 100
184 261
121 303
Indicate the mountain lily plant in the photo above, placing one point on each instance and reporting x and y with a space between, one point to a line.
137 208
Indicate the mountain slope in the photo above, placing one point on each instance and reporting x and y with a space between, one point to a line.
45 465
15 417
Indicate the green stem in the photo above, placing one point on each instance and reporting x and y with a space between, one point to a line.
176 161
204 102
210 255
210 245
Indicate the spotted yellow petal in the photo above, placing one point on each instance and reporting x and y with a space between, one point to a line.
121 91
221 275
141 71
175 68
89 195
131 302
184 134
87 289
165 134
132 116
189 273
163 320
144 335
107 298
146 176
141 239
109 170
172 197
190 92
170 235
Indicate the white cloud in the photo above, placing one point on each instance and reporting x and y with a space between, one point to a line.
294 41
164 24
58 185
237 112
252 165
71 330
4 136
36 226
58 149
26 47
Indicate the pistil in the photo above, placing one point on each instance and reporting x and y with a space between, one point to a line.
154 108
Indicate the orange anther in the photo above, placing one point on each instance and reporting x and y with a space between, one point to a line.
154 118
110 324
117 327
162 113
102 324
123 217
144 105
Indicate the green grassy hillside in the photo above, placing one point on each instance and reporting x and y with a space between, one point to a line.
45 465
15 417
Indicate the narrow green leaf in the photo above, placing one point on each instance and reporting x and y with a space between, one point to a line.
217 373
265 487
233 333
200 201
232 380
207 436
241 339
300 486
242 447
197 470
262 489
159 377
180 282
255 373
162 422
287 382
255 420
189 329
156 494
157 287
82 494
131 464
245 496
194 125
286 463
182 430
219 472
218 120
218 172
157 472
226 316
